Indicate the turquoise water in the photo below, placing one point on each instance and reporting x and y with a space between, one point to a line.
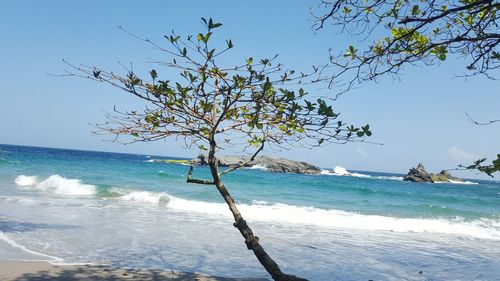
128 210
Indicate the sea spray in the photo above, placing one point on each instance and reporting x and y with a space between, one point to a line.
146 197
57 184
23 180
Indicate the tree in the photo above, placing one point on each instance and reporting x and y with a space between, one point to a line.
479 164
488 169
251 105
403 32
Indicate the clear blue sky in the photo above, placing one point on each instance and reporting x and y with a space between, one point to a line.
420 119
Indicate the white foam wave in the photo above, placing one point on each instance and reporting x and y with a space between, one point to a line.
389 178
57 184
23 180
341 171
265 211
146 197
23 248
483 229
258 167
358 175
458 182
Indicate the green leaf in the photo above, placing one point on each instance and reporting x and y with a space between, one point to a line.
210 54
153 74
415 10
212 25
351 52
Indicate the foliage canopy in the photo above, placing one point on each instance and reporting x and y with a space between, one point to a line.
404 32
212 107
255 102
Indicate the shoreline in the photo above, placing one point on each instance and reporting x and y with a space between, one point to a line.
15 270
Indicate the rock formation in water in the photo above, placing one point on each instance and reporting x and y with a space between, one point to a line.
419 174
278 165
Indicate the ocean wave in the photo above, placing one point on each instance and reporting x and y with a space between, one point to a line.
482 228
154 198
395 178
279 212
341 171
457 182
14 244
257 167
23 180
57 184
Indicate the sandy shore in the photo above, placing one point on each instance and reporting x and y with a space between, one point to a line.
40 270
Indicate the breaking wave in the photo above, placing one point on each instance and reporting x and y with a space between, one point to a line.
23 180
154 198
274 212
341 171
57 184
258 167
458 182
483 228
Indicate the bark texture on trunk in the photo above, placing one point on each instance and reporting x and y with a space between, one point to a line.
251 240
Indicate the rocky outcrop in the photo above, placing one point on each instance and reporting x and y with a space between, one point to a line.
277 165
444 176
419 174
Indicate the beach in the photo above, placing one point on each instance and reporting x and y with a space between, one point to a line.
126 211
40 270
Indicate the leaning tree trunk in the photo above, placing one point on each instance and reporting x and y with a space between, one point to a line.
251 240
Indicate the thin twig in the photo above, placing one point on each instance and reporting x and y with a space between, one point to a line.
245 163
472 120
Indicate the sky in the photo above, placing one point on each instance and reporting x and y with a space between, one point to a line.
419 118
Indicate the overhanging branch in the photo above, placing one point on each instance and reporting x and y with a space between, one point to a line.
245 163
191 180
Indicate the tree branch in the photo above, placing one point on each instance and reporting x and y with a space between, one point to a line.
191 180
472 120
245 163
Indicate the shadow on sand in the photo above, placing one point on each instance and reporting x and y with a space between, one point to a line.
101 273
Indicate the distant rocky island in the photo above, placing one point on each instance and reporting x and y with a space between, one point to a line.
282 165
271 164
419 174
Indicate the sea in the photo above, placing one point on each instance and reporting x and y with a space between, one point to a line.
134 211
